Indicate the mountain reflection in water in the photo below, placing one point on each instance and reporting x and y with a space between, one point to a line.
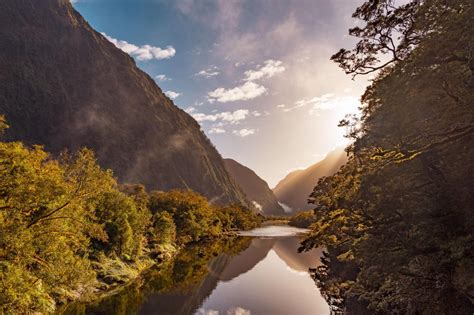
248 275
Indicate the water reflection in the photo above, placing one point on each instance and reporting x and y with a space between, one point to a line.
248 275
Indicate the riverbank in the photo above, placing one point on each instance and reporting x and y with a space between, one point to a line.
202 277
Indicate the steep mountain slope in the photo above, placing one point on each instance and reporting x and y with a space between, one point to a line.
64 85
295 188
255 188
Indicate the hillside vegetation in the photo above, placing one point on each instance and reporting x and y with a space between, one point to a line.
64 85
397 220
70 230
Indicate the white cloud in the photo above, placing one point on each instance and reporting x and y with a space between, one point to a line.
256 113
208 73
172 94
246 91
249 89
203 311
229 117
144 52
190 110
244 132
323 102
268 70
281 106
257 206
162 78
238 311
216 130
285 207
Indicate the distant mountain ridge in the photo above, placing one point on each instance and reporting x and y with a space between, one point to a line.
64 85
294 190
255 188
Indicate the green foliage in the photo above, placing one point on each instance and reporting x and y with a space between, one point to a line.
45 219
188 273
193 216
195 219
397 219
303 219
163 230
125 224
234 218
66 224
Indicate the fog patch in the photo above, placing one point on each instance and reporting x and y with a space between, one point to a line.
257 206
286 208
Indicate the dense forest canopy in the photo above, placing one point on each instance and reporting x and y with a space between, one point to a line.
69 229
397 219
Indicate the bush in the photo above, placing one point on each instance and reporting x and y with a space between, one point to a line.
303 219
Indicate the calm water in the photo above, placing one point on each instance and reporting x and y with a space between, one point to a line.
260 272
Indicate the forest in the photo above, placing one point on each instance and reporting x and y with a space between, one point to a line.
100 229
70 231
396 220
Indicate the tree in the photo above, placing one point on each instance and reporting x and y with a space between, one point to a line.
45 222
397 219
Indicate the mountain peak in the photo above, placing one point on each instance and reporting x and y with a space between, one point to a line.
254 187
90 93
293 190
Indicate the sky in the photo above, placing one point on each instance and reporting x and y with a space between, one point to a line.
256 74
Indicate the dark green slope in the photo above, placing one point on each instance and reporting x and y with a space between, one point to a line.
63 85
254 187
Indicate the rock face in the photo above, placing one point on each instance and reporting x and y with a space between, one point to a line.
294 190
255 188
63 85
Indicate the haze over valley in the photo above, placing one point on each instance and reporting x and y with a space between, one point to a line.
236 157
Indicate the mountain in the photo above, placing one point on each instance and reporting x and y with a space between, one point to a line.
293 191
255 188
64 85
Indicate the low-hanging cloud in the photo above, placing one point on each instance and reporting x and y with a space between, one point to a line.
144 52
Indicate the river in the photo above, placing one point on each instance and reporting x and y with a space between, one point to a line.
258 273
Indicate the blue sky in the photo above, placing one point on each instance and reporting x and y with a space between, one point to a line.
255 74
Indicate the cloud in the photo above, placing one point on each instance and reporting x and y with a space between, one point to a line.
208 73
244 132
203 311
162 78
268 70
172 94
324 102
256 113
249 89
228 117
281 106
238 311
285 207
257 206
144 52
216 130
246 91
